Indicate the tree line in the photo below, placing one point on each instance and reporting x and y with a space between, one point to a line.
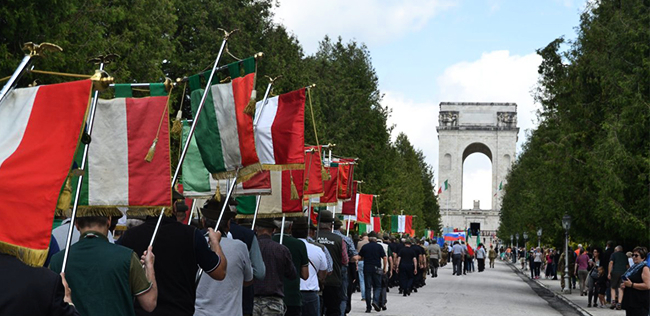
590 155
174 38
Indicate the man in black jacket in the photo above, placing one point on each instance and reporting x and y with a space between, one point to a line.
32 291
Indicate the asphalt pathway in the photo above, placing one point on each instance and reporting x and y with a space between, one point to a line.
499 291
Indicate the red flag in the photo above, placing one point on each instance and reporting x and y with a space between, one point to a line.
39 131
408 225
376 224
349 207
364 207
440 191
329 188
346 174
314 182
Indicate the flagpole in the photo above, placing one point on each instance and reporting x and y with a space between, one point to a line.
225 202
348 229
75 206
191 132
284 217
257 207
34 50
309 215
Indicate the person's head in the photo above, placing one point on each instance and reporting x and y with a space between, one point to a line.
456 242
211 211
326 219
629 254
408 242
610 243
179 208
364 236
618 248
300 227
287 225
596 254
372 237
601 270
639 254
265 226
491 247
99 224
434 241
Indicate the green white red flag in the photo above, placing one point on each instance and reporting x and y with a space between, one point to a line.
280 131
39 131
116 173
198 183
224 133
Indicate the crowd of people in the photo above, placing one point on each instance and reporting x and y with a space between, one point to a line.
220 266
609 277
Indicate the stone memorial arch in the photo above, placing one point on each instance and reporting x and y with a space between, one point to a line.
465 128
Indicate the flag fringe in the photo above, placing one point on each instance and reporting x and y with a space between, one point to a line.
65 199
325 174
86 211
324 204
290 166
245 173
272 215
29 256
143 212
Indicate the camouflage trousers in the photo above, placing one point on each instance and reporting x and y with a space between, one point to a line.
268 306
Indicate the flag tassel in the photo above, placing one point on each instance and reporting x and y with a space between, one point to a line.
217 193
250 108
152 151
294 190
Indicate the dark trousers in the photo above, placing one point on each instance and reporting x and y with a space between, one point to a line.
406 277
383 299
293 311
538 265
345 278
372 282
332 301
481 264
310 303
458 267
433 267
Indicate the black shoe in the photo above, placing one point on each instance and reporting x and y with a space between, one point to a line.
404 293
415 290
375 306
368 310
383 308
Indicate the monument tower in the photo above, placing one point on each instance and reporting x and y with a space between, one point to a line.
465 128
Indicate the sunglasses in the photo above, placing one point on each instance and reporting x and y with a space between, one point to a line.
636 255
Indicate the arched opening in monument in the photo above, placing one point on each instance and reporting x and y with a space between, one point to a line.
477 177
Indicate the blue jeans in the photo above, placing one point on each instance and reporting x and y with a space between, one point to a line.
361 284
310 303
373 287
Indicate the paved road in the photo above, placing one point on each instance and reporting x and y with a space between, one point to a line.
499 291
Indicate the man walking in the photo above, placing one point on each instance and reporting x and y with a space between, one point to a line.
106 277
373 254
298 250
458 254
434 257
334 243
269 293
318 269
407 263
480 257
492 255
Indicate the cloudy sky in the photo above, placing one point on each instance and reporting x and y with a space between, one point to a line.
431 51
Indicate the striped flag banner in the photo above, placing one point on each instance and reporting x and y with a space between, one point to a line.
329 188
280 131
39 131
279 201
199 184
224 133
116 172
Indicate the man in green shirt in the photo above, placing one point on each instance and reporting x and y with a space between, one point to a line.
298 250
105 277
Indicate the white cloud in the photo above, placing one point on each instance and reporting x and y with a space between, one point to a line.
495 77
368 21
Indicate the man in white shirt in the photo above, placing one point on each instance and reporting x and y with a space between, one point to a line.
318 268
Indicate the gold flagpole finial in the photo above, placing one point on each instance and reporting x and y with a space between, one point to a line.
101 80
40 49
105 59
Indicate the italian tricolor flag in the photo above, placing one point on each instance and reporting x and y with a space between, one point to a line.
39 131
224 133
280 131
198 183
116 173
402 224
444 186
